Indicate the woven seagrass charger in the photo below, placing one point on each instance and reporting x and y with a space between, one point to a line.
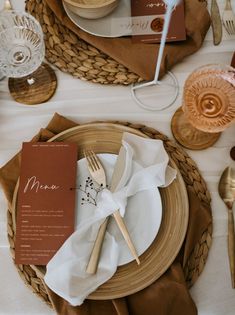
73 55
192 179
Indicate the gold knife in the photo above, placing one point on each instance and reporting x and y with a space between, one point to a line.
216 22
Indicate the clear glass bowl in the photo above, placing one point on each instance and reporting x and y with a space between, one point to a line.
22 46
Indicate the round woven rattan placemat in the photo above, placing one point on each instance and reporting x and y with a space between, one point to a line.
192 178
71 54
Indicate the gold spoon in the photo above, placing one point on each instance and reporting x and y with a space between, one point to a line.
227 193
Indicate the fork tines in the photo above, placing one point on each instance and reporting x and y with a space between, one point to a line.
230 27
92 160
229 18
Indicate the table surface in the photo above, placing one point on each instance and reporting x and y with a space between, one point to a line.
83 102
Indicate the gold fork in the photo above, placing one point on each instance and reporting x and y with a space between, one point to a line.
229 18
98 174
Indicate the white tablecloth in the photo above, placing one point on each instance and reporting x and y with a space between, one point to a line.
83 102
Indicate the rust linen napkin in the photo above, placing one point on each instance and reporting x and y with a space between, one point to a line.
166 296
141 58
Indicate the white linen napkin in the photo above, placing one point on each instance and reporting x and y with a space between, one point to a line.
66 272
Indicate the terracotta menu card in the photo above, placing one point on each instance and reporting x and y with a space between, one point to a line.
148 21
46 202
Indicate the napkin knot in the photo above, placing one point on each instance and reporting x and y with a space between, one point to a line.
108 202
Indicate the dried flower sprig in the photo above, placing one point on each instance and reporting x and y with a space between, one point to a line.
90 192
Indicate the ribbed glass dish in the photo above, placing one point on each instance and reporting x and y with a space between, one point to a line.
209 98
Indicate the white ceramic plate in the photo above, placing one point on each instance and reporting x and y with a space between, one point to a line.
108 26
143 213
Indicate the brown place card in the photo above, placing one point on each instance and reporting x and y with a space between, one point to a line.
148 20
46 202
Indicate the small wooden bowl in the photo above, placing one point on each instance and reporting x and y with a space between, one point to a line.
92 9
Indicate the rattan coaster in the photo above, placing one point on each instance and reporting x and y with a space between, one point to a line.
36 88
193 181
71 54
188 136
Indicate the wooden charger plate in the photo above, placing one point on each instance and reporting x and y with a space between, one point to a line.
131 278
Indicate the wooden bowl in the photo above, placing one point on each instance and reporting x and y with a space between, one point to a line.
92 9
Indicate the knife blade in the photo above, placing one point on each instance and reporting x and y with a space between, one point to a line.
95 254
216 23
118 169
